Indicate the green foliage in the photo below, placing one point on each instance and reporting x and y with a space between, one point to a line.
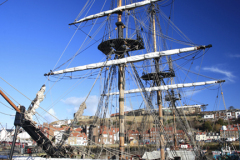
231 108
169 121
129 122
237 121
203 107
217 127
207 126
220 121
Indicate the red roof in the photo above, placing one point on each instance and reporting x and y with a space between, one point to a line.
78 129
115 130
133 132
109 132
231 128
78 135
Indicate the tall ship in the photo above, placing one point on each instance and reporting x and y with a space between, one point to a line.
146 66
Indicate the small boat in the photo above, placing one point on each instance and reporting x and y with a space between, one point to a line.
226 153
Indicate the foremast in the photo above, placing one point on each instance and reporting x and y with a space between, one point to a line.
158 83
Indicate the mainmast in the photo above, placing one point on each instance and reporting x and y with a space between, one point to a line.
121 81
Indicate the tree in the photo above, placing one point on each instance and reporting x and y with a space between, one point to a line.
207 126
217 127
231 108
203 107
220 121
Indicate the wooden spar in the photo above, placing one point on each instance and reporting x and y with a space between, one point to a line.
167 87
159 93
132 59
120 8
154 33
9 101
121 73
119 15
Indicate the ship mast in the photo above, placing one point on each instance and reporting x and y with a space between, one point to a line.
119 47
158 83
172 105
121 80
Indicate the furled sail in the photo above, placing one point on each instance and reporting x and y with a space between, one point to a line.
115 10
190 106
185 106
131 59
166 87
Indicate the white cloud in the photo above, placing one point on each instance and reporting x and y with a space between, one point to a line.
75 102
235 55
126 108
228 74
197 68
190 93
49 117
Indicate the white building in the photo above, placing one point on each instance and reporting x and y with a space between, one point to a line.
62 122
201 136
81 140
56 125
229 115
213 136
116 136
209 116
237 115
24 137
6 134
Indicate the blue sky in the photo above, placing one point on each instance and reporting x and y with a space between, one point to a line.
35 33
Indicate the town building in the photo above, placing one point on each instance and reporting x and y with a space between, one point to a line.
212 136
133 135
231 132
115 132
223 114
77 139
58 124
24 137
208 116
201 136
6 134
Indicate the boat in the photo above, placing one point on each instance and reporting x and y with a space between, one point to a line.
139 68
226 152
